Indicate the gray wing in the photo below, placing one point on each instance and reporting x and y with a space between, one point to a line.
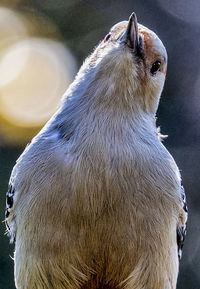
9 209
11 199
181 230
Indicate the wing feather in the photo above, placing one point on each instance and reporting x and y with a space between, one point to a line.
181 229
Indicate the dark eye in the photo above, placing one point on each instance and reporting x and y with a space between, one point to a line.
107 37
155 67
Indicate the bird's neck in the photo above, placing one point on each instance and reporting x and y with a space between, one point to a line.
102 100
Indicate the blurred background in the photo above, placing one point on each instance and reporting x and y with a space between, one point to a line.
43 44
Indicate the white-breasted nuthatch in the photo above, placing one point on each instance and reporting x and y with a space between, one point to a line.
95 201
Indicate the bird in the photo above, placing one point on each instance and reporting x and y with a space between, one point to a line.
96 200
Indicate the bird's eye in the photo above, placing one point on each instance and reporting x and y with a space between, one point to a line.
155 67
107 37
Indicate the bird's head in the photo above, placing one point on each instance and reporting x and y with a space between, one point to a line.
132 64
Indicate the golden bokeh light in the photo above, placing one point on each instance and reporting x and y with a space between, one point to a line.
12 28
35 72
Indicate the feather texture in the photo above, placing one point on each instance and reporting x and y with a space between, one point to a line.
95 200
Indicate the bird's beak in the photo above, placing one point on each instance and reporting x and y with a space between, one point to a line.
131 35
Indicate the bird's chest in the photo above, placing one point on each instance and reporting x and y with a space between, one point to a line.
155 169
127 172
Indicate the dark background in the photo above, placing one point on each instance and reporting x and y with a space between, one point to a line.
80 26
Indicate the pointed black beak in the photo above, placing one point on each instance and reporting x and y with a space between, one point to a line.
131 36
